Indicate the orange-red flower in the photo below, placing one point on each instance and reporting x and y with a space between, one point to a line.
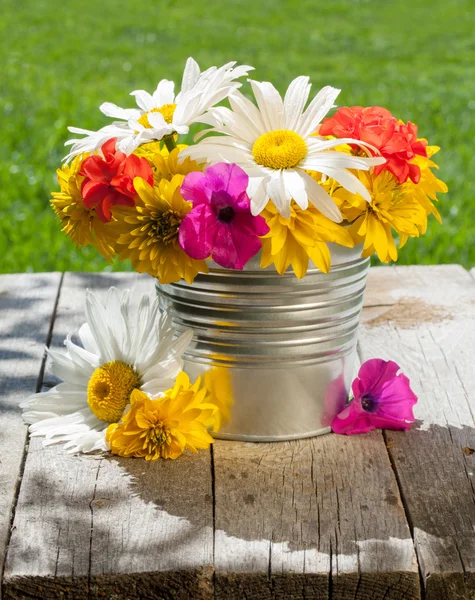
109 179
375 125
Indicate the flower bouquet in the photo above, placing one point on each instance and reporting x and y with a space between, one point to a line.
259 233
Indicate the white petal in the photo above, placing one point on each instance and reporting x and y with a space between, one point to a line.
97 319
295 100
144 99
114 111
260 197
270 104
242 105
320 199
87 339
190 75
333 159
316 144
316 110
64 367
296 187
279 195
349 181
164 94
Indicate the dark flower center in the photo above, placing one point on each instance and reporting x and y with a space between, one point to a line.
226 214
164 226
368 404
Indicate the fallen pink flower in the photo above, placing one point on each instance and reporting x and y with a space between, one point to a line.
382 400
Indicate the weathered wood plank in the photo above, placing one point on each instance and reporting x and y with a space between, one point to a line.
27 305
107 528
430 332
314 518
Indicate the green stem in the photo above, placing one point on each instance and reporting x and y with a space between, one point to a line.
170 142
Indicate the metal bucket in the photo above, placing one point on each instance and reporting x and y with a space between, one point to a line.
282 350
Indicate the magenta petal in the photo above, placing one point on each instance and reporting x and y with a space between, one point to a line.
197 232
194 188
372 374
227 177
225 252
352 421
260 226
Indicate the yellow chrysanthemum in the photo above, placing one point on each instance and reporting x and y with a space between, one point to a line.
165 427
165 164
301 237
217 382
426 190
78 222
147 233
390 207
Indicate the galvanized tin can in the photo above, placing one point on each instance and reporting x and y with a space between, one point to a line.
278 350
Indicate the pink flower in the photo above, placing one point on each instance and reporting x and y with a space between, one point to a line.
220 223
382 399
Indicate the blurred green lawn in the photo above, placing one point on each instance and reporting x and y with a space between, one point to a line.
61 60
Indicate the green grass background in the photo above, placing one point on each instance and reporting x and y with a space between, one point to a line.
61 60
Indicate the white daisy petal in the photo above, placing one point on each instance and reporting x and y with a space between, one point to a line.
270 104
296 187
144 99
316 144
164 94
190 75
243 106
278 193
295 101
114 111
339 160
320 199
260 197
317 109
349 181
87 339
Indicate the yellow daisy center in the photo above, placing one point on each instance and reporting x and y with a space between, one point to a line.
167 111
279 149
109 390
164 226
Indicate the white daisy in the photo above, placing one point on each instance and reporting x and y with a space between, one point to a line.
162 113
275 143
119 354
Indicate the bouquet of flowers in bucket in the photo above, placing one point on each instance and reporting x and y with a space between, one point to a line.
276 177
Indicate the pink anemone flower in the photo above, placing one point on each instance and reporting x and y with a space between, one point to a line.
220 224
382 399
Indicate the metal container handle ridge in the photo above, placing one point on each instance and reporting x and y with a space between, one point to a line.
278 352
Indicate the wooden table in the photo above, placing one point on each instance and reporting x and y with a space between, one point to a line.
378 516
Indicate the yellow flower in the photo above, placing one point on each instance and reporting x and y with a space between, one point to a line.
78 222
147 233
165 427
390 207
426 190
301 237
165 164
217 382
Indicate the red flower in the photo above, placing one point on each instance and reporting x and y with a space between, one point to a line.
375 125
109 181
